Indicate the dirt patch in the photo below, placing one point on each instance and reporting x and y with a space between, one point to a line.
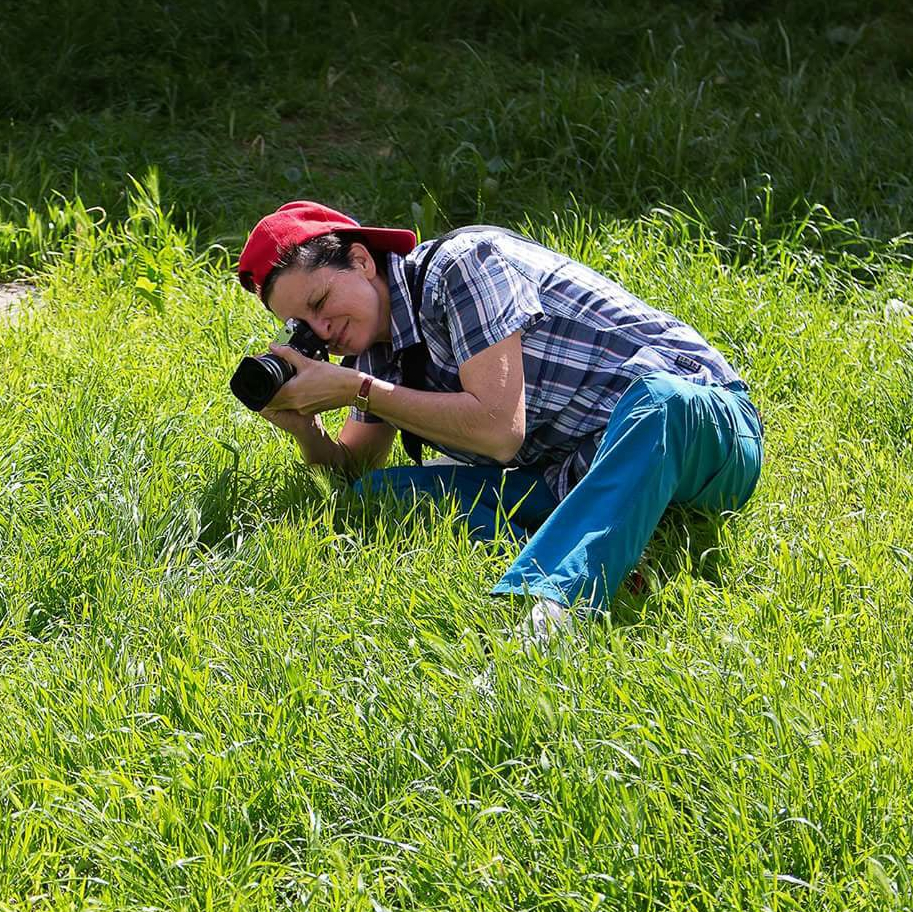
11 295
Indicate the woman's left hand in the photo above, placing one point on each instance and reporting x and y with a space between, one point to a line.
317 386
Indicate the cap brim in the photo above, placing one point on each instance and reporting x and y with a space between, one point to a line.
394 240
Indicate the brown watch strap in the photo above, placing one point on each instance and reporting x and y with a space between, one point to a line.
361 400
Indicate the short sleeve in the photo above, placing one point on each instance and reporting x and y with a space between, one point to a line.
486 298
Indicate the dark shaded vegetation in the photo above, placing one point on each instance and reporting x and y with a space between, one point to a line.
452 112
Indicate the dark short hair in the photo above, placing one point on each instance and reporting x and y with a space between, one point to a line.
324 250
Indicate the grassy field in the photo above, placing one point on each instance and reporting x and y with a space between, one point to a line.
226 684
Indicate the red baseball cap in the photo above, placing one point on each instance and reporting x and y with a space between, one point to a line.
297 222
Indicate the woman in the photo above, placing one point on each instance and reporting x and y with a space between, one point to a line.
504 354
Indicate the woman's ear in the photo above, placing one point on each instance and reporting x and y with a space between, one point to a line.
360 258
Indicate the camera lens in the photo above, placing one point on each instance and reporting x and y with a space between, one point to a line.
257 380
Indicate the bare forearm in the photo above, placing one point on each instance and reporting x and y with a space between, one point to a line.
318 447
456 420
487 417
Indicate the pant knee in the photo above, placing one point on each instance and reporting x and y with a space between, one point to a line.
370 482
400 481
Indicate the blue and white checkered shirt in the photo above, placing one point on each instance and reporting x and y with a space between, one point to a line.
585 339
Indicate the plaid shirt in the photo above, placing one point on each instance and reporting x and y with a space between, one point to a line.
585 339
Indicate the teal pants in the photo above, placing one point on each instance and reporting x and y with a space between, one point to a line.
667 441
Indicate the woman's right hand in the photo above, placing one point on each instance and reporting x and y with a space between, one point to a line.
315 444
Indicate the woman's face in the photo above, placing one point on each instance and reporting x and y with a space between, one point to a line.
348 308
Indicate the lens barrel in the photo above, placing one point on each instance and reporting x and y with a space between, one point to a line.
257 380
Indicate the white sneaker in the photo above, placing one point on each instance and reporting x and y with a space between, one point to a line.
547 622
484 682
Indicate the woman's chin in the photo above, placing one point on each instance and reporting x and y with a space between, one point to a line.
354 346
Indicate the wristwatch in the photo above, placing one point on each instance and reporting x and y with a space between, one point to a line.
361 400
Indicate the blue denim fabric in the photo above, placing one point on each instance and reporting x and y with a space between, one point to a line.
667 441
489 497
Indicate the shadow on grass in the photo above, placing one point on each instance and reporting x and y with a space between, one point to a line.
234 502
695 542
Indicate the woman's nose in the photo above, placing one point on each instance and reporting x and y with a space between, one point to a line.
322 329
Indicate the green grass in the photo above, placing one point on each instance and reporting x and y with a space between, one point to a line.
484 111
226 683
229 685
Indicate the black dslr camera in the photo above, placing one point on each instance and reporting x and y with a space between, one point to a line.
257 380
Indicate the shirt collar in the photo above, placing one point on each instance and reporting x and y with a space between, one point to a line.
403 331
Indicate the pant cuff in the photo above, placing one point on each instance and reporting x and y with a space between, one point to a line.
535 590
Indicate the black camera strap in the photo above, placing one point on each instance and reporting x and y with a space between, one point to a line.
414 359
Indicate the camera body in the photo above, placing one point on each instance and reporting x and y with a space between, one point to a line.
258 379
